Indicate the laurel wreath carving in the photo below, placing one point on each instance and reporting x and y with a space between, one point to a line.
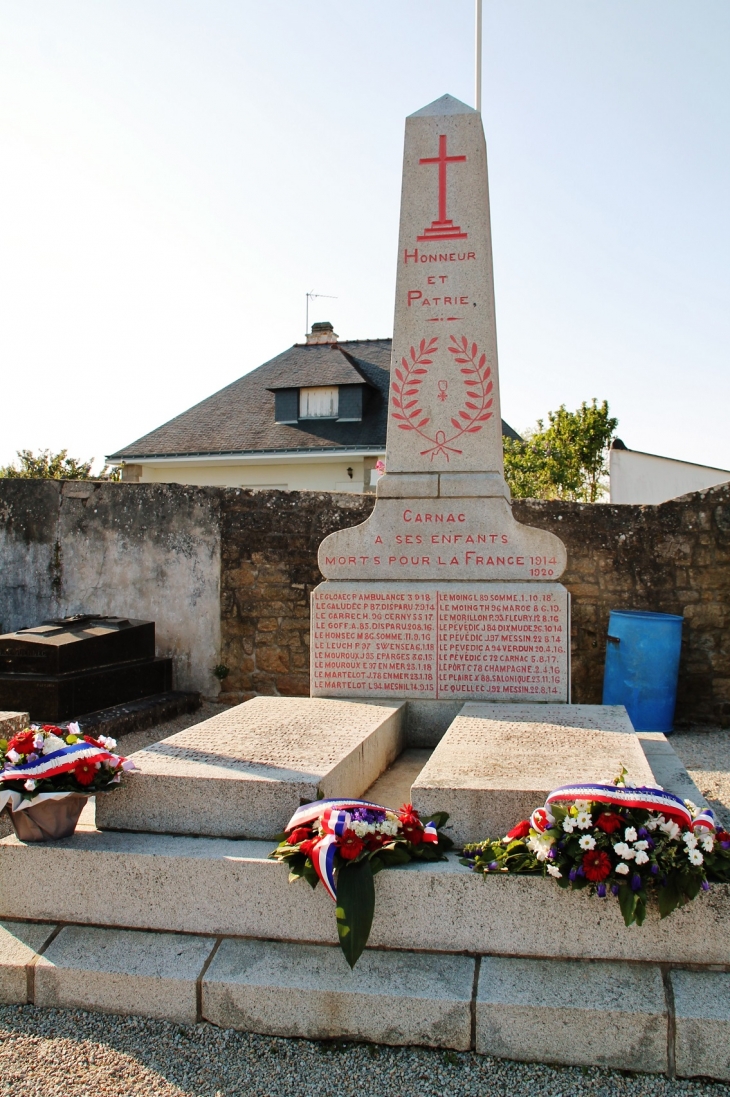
470 418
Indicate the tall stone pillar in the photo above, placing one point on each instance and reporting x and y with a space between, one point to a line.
441 595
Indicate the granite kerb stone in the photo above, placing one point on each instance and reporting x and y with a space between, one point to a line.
230 888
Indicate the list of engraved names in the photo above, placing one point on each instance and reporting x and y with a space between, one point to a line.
494 641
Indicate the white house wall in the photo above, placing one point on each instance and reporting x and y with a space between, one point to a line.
295 475
638 477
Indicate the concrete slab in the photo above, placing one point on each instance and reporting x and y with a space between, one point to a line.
611 1015
245 771
20 943
497 763
668 769
702 1017
309 991
219 886
123 971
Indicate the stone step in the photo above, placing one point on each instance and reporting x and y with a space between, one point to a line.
284 989
226 887
497 763
619 1015
243 773
595 1014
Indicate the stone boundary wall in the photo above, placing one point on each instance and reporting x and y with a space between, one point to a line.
227 574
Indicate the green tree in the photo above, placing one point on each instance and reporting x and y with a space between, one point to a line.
566 459
46 465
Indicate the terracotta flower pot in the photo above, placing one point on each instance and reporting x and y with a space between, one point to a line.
49 819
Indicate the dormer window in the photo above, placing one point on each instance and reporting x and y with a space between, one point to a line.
319 403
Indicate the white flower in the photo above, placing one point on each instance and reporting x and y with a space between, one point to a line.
622 869
622 850
554 871
12 756
568 824
107 741
128 766
583 820
587 842
582 805
689 840
641 857
695 857
671 830
630 784
630 834
708 843
540 845
74 729
691 808
37 742
29 784
641 845
51 743
654 821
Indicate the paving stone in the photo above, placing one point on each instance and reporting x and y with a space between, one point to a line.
702 1017
309 991
221 886
598 1014
123 971
245 771
20 943
497 763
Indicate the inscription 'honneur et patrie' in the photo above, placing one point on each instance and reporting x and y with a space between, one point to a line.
463 579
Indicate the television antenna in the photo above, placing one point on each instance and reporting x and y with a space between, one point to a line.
310 297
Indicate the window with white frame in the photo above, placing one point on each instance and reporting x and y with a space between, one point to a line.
318 403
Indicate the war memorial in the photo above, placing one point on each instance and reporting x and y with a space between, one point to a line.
441 626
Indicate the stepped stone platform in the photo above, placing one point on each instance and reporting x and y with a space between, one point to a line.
497 763
242 773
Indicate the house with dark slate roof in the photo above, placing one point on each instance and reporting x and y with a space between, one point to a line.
312 419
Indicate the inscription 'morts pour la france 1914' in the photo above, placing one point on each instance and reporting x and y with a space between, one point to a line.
442 529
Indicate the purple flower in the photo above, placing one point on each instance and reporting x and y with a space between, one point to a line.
493 866
655 870
636 882
552 854
601 891
705 885
367 815
643 834
614 889
581 870
572 874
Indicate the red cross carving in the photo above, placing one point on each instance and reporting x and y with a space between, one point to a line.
443 228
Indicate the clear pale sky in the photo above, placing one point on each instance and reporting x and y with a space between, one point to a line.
175 174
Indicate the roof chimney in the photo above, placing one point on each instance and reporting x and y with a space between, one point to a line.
322 333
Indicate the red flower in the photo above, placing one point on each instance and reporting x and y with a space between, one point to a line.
299 835
85 771
54 730
350 846
410 824
520 831
307 847
22 742
375 841
609 821
596 865
94 742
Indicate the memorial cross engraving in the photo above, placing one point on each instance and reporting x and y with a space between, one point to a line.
441 594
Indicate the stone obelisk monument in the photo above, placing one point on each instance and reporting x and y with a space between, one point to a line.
441 595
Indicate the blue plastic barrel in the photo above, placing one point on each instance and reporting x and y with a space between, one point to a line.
642 666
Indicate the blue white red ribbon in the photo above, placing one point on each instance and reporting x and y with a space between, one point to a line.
58 761
307 813
656 800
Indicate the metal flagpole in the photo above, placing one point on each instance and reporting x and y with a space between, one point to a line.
478 56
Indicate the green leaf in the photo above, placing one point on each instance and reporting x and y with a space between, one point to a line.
627 902
669 898
355 908
439 819
310 875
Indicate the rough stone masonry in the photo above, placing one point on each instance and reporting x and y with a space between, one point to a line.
441 595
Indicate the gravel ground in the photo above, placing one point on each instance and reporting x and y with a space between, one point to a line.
60 1053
